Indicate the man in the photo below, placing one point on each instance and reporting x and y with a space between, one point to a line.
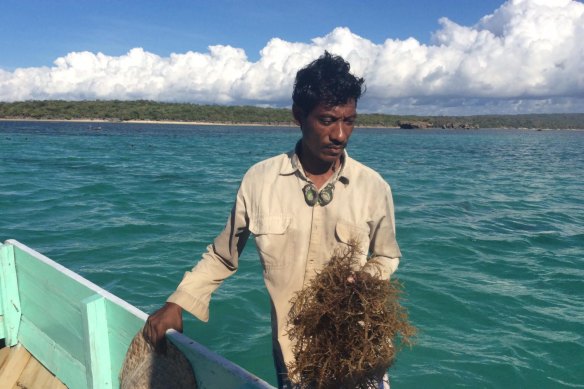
301 207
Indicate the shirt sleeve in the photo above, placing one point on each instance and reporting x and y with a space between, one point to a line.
385 252
220 261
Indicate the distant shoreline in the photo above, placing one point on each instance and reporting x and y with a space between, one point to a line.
187 123
242 124
178 122
140 111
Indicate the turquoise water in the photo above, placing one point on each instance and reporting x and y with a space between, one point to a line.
490 222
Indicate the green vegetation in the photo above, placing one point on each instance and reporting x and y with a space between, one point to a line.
142 110
181 112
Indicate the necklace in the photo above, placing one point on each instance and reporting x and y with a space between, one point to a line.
313 196
325 196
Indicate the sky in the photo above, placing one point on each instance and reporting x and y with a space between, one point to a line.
426 57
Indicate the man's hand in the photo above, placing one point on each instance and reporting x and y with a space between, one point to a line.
351 278
360 275
154 331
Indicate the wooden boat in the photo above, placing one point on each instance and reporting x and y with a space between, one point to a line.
80 332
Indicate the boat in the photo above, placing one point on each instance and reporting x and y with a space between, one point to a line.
80 332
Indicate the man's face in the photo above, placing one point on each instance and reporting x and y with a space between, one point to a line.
326 130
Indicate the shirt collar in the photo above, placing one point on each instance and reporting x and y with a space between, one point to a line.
292 164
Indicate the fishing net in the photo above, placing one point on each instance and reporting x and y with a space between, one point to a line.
346 333
146 369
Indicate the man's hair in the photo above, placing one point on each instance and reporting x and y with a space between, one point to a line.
326 80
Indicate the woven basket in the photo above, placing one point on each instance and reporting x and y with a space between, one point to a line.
145 369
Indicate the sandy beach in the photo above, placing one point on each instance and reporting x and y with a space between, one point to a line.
197 123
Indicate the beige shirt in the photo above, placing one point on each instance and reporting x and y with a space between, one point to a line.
294 240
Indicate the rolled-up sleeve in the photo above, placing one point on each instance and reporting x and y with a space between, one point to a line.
219 262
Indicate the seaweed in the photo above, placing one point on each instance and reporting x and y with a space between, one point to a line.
347 326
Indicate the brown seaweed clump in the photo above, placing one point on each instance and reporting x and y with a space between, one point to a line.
346 333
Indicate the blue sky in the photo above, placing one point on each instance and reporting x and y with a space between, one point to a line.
35 33
426 56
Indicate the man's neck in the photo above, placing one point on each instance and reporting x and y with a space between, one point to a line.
316 170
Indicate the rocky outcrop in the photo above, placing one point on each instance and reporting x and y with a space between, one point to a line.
414 124
466 126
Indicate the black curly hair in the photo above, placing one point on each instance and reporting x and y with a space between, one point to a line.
326 80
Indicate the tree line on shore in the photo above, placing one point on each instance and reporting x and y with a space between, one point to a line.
116 110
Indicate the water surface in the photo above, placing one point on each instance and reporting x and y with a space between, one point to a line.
490 223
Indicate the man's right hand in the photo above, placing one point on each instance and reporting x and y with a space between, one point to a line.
154 331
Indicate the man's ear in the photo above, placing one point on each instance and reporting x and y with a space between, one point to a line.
298 114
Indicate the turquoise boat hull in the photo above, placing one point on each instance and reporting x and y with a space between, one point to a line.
81 332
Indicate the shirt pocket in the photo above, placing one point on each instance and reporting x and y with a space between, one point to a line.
347 233
271 240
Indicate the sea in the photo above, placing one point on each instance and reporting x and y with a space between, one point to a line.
490 223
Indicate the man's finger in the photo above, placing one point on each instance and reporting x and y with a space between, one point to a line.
146 333
150 334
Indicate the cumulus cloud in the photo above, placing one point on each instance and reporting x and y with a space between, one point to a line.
527 56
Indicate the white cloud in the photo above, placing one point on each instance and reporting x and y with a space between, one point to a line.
527 56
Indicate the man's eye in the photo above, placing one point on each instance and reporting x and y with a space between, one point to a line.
327 122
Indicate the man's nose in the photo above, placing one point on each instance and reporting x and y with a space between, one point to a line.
339 133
